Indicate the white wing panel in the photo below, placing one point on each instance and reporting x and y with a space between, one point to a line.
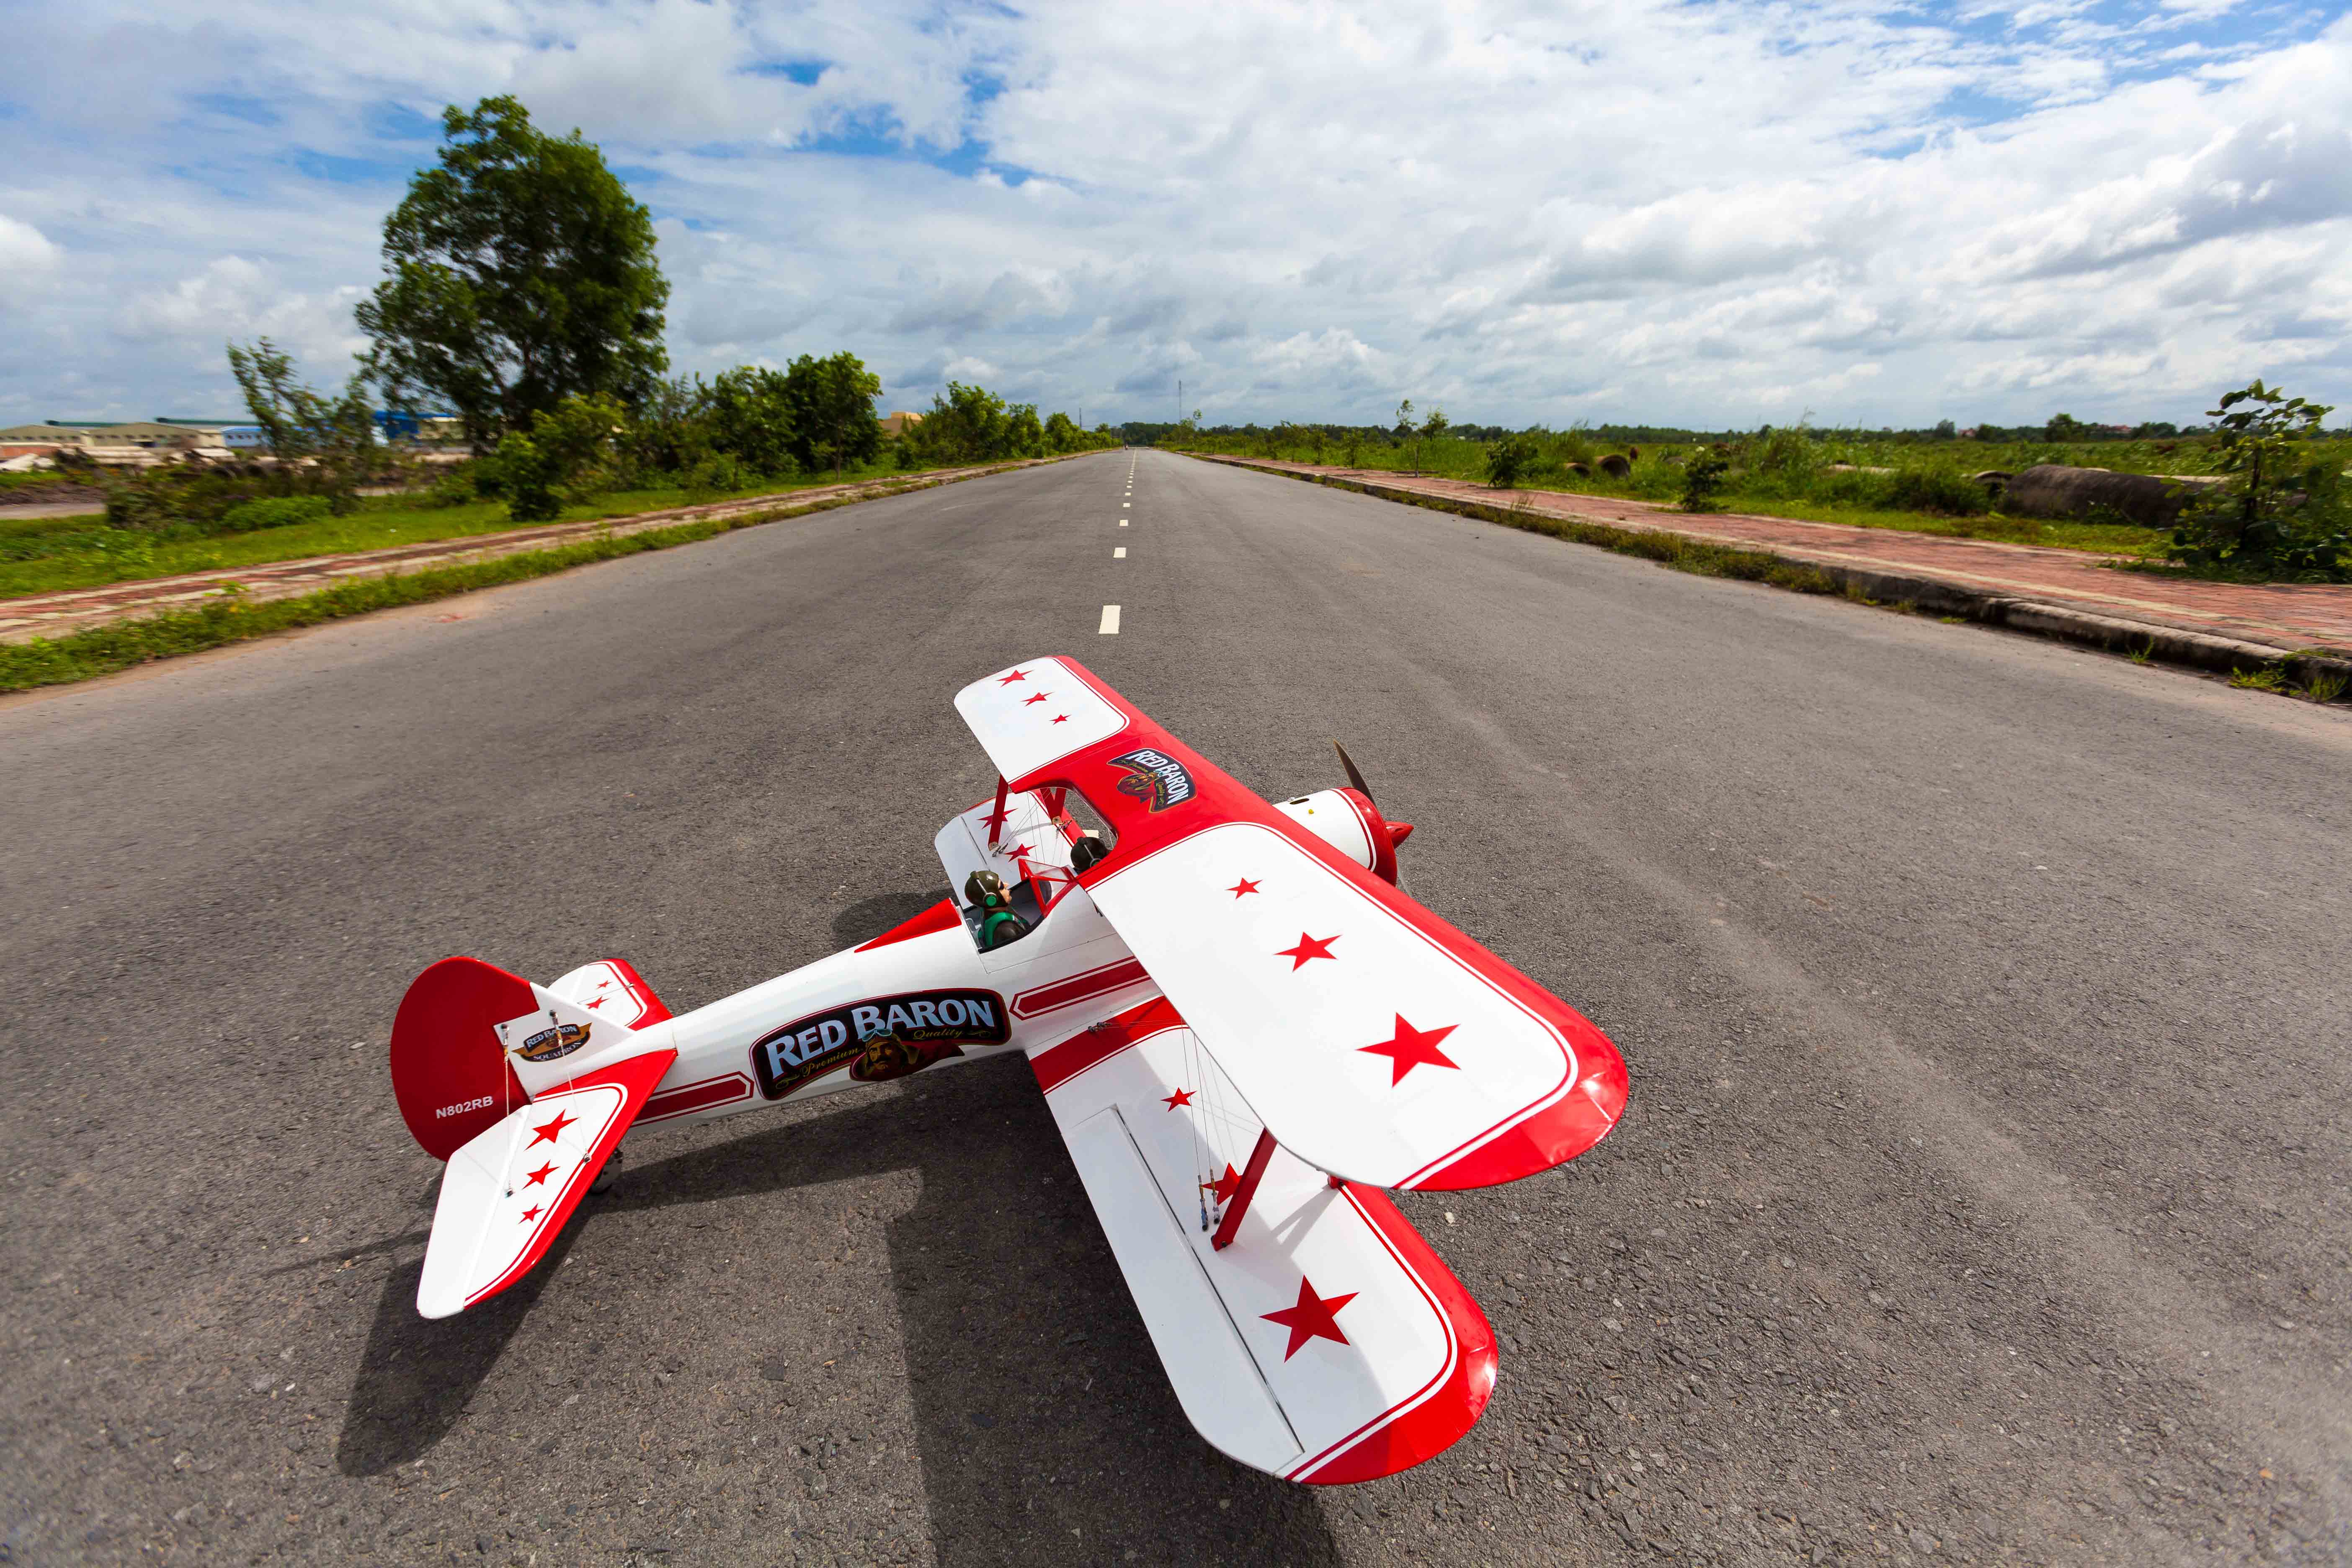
1368 1048
1211 1370
1310 1322
1035 713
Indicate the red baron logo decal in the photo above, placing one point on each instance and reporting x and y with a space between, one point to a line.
464 1106
1155 778
881 1038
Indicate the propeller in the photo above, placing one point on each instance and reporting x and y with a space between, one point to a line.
1355 774
1398 831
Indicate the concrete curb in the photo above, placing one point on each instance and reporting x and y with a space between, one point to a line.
2041 617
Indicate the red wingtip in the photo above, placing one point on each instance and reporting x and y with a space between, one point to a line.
1399 832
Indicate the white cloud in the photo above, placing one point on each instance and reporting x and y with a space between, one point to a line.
26 254
1713 213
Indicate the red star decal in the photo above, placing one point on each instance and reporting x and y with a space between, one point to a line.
1410 1048
1224 1186
532 1213
546 1131
1008 680
1314 1317
1061 718
1244 886
1182 1097
532 1178
1040 697
1308 947
599 1002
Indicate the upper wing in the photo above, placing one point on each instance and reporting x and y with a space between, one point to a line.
1371 1038
1328 1342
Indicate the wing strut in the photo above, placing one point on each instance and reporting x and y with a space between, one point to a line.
1231 1225
997 819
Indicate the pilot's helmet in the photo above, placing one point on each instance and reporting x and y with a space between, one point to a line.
983 887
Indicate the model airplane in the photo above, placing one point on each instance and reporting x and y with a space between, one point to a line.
1244 1029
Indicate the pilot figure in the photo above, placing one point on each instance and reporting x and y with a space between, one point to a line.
998 923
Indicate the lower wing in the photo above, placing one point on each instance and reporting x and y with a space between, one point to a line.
1325 1343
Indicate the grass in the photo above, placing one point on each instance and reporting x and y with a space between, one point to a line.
89 557
1853 479
106 649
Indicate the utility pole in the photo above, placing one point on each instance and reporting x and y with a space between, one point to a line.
1179 400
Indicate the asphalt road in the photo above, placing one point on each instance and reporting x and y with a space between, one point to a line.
1983 1194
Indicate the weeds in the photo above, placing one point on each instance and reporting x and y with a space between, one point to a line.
103 651
2144 654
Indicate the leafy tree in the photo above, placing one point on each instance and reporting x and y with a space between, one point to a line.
1061 435
1703 479
967 425
522 273
1508 458
2282 513
672 430
561 459
752 419
2065 427
832 406
336 436
1024 436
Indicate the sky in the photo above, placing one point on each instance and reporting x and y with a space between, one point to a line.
1712 215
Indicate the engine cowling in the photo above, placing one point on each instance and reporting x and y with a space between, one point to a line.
1347 820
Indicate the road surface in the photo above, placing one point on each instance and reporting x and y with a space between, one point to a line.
1982 1194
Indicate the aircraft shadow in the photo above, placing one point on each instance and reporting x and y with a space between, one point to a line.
1047 1431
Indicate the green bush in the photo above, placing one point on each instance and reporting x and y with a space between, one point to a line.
2285 514
273 512
1509 458
1703 479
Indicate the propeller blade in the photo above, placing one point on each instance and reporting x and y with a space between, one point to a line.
1355 774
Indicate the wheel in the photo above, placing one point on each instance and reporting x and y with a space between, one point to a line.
608 1175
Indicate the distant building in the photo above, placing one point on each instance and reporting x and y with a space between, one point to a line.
32 441
898 423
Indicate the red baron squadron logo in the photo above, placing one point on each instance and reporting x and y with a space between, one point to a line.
1154 778
555 1041
885 1038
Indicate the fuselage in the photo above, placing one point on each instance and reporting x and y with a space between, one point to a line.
928 993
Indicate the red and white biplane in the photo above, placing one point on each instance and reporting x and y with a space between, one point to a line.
1245 1029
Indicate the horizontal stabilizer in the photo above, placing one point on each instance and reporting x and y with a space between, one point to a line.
1327 1342
507 1193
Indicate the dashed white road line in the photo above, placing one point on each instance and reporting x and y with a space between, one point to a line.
1122 522
1120 554
1109 627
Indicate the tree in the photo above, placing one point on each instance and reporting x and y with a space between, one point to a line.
335 435
2276 516
832 405
752 419
1024 436
561 460
2065 427
1508 458
1061 435
521 273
